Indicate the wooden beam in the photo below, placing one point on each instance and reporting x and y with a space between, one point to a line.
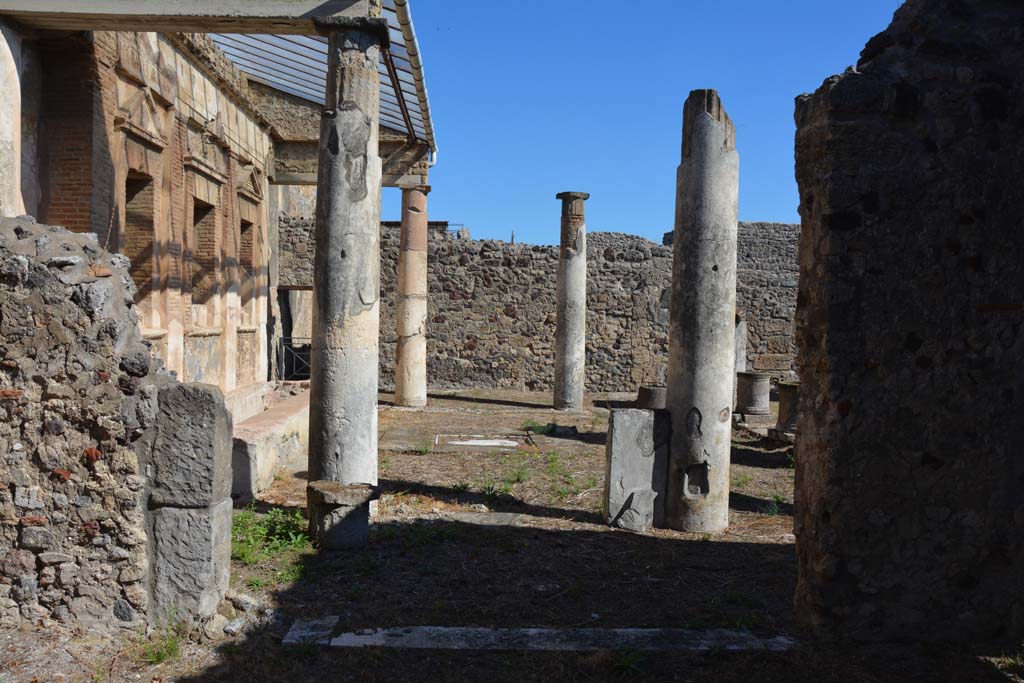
187 16
405 164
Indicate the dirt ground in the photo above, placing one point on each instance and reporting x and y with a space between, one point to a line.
511 535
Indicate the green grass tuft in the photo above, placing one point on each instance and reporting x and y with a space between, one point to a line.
164 645
256 537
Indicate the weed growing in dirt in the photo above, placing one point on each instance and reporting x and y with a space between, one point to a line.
534 427
564 484
425 447
163 645
490 489
461 487
771 508
256 537
556 467
518 475
740 482
290 573
256 583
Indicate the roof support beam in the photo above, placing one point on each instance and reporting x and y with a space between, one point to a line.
187 16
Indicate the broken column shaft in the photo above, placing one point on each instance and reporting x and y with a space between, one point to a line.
411 314
702 325
346 282
571 327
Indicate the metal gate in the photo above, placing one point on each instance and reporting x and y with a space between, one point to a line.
293 358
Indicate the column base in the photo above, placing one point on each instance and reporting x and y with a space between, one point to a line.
339 514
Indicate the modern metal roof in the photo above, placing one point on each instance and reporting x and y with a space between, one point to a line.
297 65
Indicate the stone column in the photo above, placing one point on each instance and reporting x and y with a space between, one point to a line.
702 324
753 393
10 124
571 328
741 352
411 316
346 268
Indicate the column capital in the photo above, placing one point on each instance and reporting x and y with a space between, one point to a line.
425 189
570 196
372 26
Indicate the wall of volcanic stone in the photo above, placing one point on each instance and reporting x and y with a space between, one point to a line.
73 378
115 479
909 505
492 305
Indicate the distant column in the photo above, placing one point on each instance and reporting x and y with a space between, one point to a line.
346 267
571 328
702 325
411 316
741 353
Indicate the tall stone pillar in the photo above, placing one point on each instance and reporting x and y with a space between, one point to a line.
571 327
411 316
346 268
702 326
11 203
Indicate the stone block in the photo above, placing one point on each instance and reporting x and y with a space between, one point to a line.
190 562
190 459
636 467
265 442
339 514
37 538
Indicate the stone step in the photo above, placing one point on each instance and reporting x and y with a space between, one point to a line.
321 630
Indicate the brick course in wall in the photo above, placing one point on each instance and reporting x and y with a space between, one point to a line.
492 305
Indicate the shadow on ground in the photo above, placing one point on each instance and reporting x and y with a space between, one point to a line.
764 506
444 573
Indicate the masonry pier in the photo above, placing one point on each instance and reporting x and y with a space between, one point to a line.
571 327
703 318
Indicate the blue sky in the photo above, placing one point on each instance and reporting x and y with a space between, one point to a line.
532 98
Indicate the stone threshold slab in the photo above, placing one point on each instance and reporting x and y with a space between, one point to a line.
537 639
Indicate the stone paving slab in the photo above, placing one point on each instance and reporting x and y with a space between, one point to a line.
541 639
311 631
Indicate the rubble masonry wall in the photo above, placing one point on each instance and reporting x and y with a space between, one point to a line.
99 448
492 305
909 512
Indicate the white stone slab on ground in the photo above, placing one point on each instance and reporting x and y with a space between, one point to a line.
549 639
311 631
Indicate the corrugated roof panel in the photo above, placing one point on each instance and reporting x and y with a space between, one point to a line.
297 65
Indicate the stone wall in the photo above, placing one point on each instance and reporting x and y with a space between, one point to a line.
909 513
492 305
766 284
73 393
91 445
